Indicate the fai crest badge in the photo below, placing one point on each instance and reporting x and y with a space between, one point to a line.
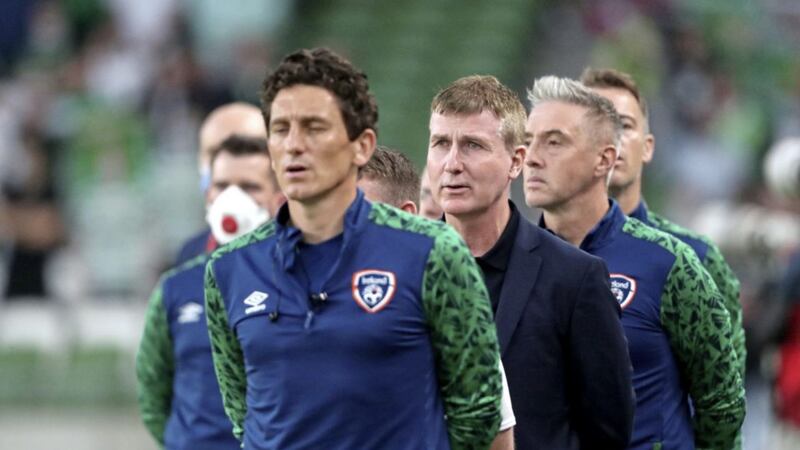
373 289
624 288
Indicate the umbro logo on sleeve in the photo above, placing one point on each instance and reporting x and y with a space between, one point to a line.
190 312
256 301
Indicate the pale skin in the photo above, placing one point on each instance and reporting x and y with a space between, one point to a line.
233 118
315 162
566 169
427 205
504 440
251 173
470 171
636 148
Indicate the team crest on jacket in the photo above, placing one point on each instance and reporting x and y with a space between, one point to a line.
373 289
623 287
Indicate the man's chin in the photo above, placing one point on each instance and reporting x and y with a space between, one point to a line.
534 199
457 208
617 187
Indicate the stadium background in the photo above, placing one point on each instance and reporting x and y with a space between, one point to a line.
100 101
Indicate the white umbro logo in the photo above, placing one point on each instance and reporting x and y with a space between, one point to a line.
256 301
190 312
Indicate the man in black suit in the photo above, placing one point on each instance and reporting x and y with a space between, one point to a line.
558 324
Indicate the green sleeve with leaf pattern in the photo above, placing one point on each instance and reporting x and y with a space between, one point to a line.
723 276
729 287
155 367
699 330
227 354
464 340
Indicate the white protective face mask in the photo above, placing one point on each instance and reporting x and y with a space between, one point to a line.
234 214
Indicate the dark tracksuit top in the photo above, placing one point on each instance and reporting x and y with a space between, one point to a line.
179 396
404 338
679 337
713 261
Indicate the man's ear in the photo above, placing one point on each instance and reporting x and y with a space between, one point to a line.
409 207
517 161
649 148
365 146
606 160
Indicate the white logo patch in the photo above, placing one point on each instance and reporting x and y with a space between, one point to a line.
256 301
373 289
190 312
623 287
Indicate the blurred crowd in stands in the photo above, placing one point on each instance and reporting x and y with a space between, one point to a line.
99 107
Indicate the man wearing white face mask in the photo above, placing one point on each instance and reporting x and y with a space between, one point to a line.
238 118
179 396
243 192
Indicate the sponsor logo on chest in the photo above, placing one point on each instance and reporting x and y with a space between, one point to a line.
373 289
624 288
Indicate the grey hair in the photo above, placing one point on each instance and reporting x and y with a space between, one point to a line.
599 109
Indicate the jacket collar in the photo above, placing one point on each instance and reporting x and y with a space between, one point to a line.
355 219
640 212
605 230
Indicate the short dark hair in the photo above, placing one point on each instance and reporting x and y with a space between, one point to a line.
477 93
238 145
396 174
323 68
610 78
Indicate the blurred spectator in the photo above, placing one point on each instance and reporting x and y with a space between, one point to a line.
217 28
34 220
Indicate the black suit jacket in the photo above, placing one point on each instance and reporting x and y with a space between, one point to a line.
563 347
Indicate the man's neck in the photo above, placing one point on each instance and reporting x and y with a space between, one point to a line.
629 196
322 219
481 231
574 219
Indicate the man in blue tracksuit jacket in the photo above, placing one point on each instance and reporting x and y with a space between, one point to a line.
179 395
678 329
345 324
637 146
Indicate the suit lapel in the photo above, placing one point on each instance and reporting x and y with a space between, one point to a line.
523 269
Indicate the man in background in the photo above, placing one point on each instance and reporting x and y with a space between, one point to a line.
179 396
636 150
427 204
390 177
238 118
